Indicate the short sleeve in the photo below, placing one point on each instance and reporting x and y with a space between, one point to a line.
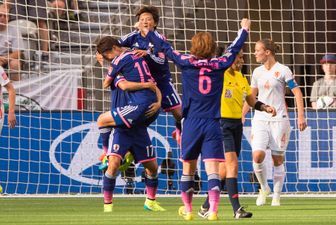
288 75
254 82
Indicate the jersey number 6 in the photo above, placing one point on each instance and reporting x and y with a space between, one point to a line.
204 82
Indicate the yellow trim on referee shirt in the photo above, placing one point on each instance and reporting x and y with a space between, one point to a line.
235 90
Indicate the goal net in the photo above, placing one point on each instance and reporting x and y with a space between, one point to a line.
54 148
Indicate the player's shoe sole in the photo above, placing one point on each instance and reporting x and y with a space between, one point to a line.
185 215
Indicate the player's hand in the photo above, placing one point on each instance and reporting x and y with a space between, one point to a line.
136 25
245 24
151 86
153 108
100 58
270 109
140 53
11 119
3 60
302 123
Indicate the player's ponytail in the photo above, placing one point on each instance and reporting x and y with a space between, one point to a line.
270 45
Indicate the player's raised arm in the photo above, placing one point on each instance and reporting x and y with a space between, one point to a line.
161 44
230 54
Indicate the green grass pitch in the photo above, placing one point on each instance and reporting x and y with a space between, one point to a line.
130 211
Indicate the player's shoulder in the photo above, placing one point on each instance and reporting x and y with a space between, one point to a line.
133 34
258 70
282 67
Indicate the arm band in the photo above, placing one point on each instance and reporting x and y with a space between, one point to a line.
258 105
292 84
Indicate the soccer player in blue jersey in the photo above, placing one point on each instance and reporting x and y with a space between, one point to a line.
140 98
148 17
130 136
202 84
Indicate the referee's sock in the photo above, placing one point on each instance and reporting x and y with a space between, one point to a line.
232 188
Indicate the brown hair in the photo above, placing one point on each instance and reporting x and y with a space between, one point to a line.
270 45
149 9
203 45
106 44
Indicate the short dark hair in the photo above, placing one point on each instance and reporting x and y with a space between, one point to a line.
106 44
149 9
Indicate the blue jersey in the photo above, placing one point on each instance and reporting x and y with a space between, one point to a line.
202 79
133 69
157 62
119 97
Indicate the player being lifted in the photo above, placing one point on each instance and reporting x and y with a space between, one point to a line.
236 89
129 102
202 84
269 81
148 17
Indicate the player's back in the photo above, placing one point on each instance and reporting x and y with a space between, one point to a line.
157 62
202 85
134 69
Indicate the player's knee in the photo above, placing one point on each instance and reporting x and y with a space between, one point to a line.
258 156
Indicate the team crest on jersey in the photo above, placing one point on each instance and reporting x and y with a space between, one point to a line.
277 74
228 93
116 147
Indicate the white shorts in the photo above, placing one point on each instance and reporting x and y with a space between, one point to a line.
273 135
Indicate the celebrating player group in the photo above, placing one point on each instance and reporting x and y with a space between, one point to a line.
209 119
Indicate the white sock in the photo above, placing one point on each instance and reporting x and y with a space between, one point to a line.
261 174
278 179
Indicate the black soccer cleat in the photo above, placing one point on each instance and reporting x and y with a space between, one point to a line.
241 213
203 212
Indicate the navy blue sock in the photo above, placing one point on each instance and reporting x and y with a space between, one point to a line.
187 183
105 133
206 204
108 182
232 187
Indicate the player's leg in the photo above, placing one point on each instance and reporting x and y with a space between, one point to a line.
120 145
105 124
109 181
259 142
177 113
278 178
280 133
204 210
212 170
171 102
212 154
152 182
232 130
187 188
